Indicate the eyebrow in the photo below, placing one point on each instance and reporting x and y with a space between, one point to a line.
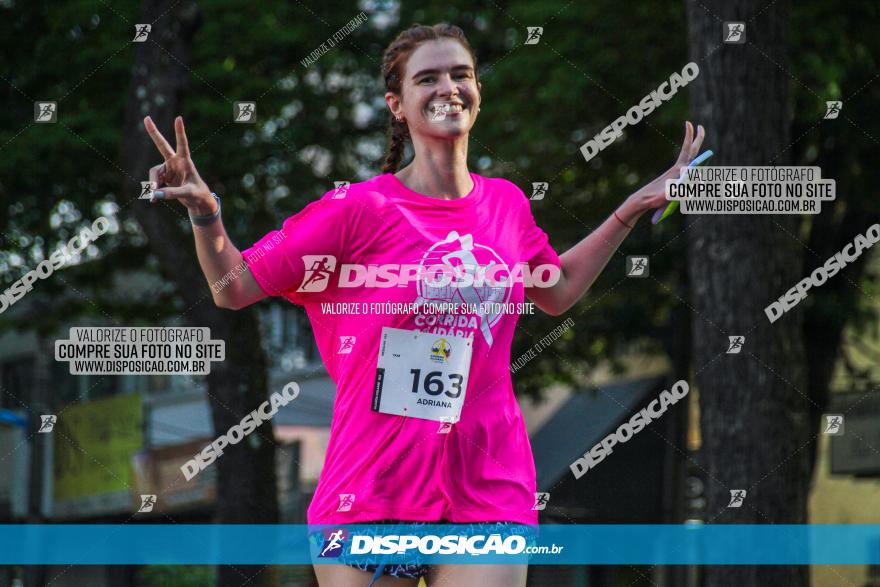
453 68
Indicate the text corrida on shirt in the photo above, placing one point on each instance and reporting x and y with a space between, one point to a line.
653 411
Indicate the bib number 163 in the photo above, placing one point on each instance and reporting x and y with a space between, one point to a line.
433 383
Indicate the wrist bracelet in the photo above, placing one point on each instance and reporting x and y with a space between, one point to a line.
621 221
207 218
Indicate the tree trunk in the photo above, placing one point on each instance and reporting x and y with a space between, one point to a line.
246 486
754 407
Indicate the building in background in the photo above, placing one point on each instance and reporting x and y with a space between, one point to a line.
118 437
123 436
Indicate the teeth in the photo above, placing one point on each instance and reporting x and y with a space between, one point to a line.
447 108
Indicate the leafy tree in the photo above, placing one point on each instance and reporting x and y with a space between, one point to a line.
327 121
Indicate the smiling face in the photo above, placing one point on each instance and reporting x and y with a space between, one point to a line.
440 94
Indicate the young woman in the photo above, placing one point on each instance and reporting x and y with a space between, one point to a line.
426 427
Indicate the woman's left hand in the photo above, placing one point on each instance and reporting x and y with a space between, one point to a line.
653 195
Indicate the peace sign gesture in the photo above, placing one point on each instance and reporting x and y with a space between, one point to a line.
177 178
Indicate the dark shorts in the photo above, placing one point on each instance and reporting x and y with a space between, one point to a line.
415 567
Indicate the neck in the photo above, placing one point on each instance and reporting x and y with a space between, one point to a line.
439 169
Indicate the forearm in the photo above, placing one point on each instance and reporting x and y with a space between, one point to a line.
218 257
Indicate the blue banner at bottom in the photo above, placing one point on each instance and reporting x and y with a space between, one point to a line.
204 544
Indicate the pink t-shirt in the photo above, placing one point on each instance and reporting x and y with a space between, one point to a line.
382 466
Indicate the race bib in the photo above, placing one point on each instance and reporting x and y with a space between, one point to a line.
422 375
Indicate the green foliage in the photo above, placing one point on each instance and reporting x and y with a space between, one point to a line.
176 576
540 103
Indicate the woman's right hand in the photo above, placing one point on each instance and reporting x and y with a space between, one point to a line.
177 178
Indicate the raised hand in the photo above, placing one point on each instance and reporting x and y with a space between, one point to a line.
653 195
177 178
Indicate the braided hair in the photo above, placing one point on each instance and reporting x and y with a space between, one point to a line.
393 62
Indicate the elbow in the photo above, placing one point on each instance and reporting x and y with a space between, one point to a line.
552 305
553 310
560 307
227 304
557 299
557 311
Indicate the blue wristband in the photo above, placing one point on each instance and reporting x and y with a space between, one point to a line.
208 218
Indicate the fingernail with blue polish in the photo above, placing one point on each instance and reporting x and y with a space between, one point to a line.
159 195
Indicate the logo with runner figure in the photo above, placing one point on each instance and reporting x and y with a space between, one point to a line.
346 500
457 270
440 350
346 344
341 189
318 271
334 541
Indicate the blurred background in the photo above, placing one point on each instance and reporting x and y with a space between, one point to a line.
754 420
